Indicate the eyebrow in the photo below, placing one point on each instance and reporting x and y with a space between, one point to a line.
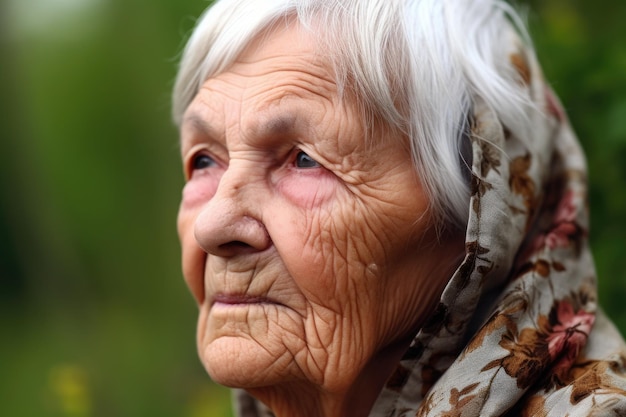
278 126
199 124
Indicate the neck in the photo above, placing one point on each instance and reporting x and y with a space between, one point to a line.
354 398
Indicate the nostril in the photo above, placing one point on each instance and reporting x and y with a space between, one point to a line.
238 244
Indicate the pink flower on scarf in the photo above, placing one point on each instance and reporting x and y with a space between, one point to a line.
570 334
564 226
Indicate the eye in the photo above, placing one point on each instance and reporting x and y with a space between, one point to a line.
305 161
201 161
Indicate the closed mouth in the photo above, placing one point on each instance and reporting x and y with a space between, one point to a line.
240 299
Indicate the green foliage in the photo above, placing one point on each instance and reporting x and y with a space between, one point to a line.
95 317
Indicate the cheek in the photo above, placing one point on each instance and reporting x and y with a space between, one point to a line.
193 257
302 229
322 254
307 189
199 189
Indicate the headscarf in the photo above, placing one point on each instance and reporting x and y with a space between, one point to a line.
517 331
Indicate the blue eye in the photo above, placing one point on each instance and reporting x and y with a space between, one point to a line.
202 161
305 161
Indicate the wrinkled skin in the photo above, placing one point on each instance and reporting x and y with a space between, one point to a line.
310 252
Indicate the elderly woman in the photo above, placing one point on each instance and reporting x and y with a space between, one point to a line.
385 215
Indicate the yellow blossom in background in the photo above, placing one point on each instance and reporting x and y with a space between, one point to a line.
69 387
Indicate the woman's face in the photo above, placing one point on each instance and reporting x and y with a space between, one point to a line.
309 249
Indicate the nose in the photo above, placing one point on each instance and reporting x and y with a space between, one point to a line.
229 224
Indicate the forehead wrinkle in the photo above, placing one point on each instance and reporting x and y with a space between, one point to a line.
311 72
284 97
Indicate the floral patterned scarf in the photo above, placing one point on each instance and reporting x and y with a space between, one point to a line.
518 331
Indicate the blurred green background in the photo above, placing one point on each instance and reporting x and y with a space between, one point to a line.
95 319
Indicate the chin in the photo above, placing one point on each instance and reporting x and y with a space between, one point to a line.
242 362
248 347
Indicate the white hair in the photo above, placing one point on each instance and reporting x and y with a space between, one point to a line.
415 65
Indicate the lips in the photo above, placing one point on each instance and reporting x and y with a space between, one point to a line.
240 299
